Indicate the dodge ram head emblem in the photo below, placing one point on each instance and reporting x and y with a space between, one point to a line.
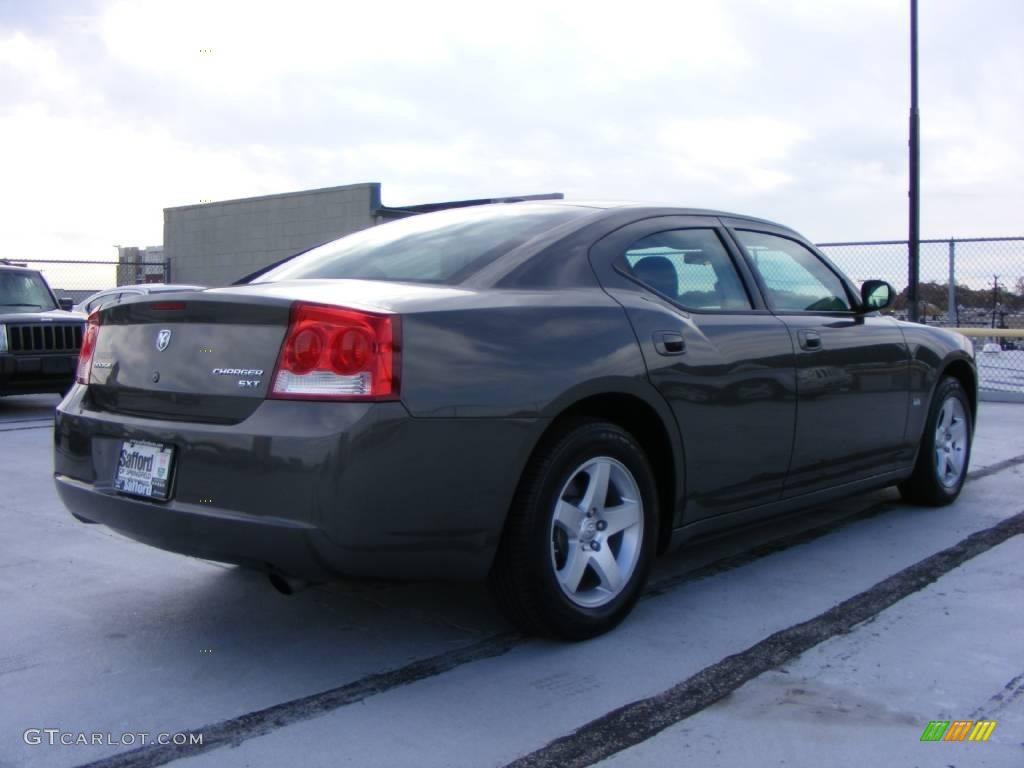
163 338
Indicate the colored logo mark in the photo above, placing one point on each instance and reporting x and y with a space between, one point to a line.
958 730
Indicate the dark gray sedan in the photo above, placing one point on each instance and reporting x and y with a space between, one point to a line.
542 394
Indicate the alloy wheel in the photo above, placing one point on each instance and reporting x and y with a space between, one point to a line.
597 530
951 442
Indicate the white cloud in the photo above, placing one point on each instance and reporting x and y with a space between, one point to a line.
35 61
793 110
86 183
744 154
251 41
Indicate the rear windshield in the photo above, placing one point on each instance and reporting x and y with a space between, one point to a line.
24 292
441 247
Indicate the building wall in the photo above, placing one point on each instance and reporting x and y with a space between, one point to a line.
216 243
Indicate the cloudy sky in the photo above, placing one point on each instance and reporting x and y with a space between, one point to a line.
789 109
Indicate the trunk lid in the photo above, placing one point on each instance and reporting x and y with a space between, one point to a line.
195 358
220 346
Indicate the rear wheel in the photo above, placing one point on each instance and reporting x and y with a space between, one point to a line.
945 450
580 537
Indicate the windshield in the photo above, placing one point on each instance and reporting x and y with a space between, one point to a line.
24 292
441 247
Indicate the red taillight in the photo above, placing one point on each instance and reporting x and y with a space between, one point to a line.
92 331
305 350
168 306
337 354
352 351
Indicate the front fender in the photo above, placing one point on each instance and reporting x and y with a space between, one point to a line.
933 352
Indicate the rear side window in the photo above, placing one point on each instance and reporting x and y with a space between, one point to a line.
441 247
795 279
689 266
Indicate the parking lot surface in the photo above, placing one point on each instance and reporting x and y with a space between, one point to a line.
831 637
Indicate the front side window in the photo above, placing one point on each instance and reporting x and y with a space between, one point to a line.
24 292
690 267
795 279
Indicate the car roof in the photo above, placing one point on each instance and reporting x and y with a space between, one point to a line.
154 287
9 267
649 208
141 289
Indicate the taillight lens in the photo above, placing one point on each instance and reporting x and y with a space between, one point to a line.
92 332
337 354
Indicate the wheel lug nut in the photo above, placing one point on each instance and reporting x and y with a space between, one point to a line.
601 525
596 546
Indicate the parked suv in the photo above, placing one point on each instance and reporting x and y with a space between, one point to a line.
39 340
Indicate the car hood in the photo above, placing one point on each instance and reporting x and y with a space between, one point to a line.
53 315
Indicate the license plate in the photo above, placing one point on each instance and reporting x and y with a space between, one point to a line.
144 469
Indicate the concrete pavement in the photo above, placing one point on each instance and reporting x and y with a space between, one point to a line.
105 635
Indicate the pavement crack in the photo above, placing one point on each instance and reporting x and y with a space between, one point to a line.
1009 693
992 469
239 729
22 429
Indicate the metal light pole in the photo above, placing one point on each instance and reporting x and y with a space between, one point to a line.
914 241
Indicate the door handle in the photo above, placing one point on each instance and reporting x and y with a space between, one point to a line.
809 340
669 343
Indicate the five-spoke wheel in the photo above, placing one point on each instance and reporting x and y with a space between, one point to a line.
945 450
951 443
580 536
596 531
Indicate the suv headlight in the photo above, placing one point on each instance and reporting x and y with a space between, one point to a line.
3 338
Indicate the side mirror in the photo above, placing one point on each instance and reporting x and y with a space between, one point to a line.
66 304
876 295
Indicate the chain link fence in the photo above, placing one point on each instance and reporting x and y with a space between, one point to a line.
78 279
974 285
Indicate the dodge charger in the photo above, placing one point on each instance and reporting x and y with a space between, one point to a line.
545 395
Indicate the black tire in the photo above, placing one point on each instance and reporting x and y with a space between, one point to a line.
524 577
925 486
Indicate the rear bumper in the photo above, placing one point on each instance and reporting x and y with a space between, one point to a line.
28 374
309 489
259 542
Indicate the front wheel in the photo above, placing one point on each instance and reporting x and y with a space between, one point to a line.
945 449
580 537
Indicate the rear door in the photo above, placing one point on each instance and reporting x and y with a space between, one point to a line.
723 362
852 369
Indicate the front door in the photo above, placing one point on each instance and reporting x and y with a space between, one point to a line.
852 369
